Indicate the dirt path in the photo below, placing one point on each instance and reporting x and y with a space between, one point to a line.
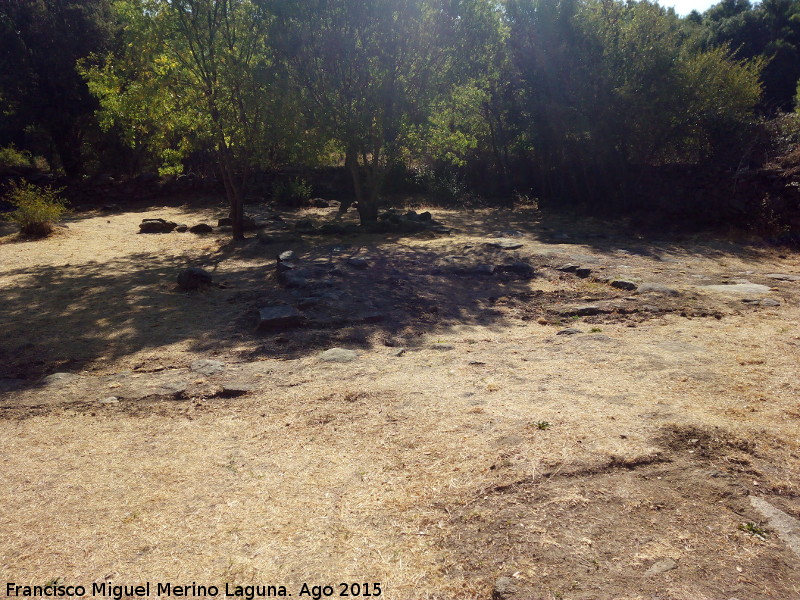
467 442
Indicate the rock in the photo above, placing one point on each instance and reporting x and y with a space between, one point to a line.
783 276
569 268
425 216
176 389
505 244
339 355
657 288
771 302
60 378
271 318
207 367
358 263
623 284
319 203
156 226
201 228
194 278
225 222
397 352
786 526
335 229
520 270
182 228
661 566
738 288
505 588
305 226
583 272
569 331
442 347
110 400
585 310
292 277
287 256
235 389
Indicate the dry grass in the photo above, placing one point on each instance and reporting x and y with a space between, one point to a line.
424 472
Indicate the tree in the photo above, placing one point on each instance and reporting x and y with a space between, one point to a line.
365 70
199 69
40 43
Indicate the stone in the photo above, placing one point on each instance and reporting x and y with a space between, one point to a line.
207 367
425 216
279 317
569 331
339 355
520 270
585 310
287 256
201 228
225 222
738 288
569 268
294 278
505 588
156 226
235 389
358 263
319 203
110 400
623 284
583 272
786 526
657 288
60 378
305 226
783 276
182 228
335 229
770 302
398 352
442 347
176 389
194 278
505 244
661 566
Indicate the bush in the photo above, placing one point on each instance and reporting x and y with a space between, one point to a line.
293 192
11 158
37 208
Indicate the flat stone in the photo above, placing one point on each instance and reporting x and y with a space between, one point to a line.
519 269
176 389
60 378
110 400
287 256
783 276
358 263
279 317
339 355
786 526
194 278
657 288
442 347
207 367
569 268
623 284
505 588
235 389
569 331
661 566
585 310
771 302
738 288
505 244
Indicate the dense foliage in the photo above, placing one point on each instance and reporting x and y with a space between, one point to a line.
565 100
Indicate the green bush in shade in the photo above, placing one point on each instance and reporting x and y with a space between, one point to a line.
36 208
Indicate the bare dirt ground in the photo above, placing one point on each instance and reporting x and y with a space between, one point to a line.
467 443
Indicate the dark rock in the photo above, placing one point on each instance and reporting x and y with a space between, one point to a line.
358 263
425 216
586 310
201 228
207 367
194 278
657 288
225 222
182 228
294 278
305 226
520 270
569 268
156 226
234 390
623 284
279 317
583 272
569 331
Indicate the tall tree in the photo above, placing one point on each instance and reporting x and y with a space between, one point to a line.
40 43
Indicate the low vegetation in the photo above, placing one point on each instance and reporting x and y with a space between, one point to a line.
36 209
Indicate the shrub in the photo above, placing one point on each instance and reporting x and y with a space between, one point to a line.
293 192
37 208
11 158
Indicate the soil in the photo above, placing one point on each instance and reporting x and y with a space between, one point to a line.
472 439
